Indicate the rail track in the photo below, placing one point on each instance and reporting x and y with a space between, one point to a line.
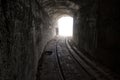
58 61
74 62
90 67
71 64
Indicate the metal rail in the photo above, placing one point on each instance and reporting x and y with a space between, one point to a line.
58 61
87 65
77 62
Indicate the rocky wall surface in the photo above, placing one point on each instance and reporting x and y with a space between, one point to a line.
24 31
96 31
108 32
84 31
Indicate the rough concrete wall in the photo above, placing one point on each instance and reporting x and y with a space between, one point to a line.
108 32
24 28
84 33
96 31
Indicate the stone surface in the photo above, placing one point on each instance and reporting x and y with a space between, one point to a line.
24 30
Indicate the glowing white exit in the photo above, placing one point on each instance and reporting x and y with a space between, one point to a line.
65 26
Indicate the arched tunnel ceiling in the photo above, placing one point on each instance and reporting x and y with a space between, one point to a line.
56 8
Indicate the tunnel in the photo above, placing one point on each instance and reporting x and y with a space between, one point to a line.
27 26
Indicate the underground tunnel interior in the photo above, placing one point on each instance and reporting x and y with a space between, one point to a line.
26 26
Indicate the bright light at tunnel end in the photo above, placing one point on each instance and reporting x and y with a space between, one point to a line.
65 26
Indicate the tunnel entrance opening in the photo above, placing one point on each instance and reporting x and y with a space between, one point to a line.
65 26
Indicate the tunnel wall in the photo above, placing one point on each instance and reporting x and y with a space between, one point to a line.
85 29
96 31
24 28
108 34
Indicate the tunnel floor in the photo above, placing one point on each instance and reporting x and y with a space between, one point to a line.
60 62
